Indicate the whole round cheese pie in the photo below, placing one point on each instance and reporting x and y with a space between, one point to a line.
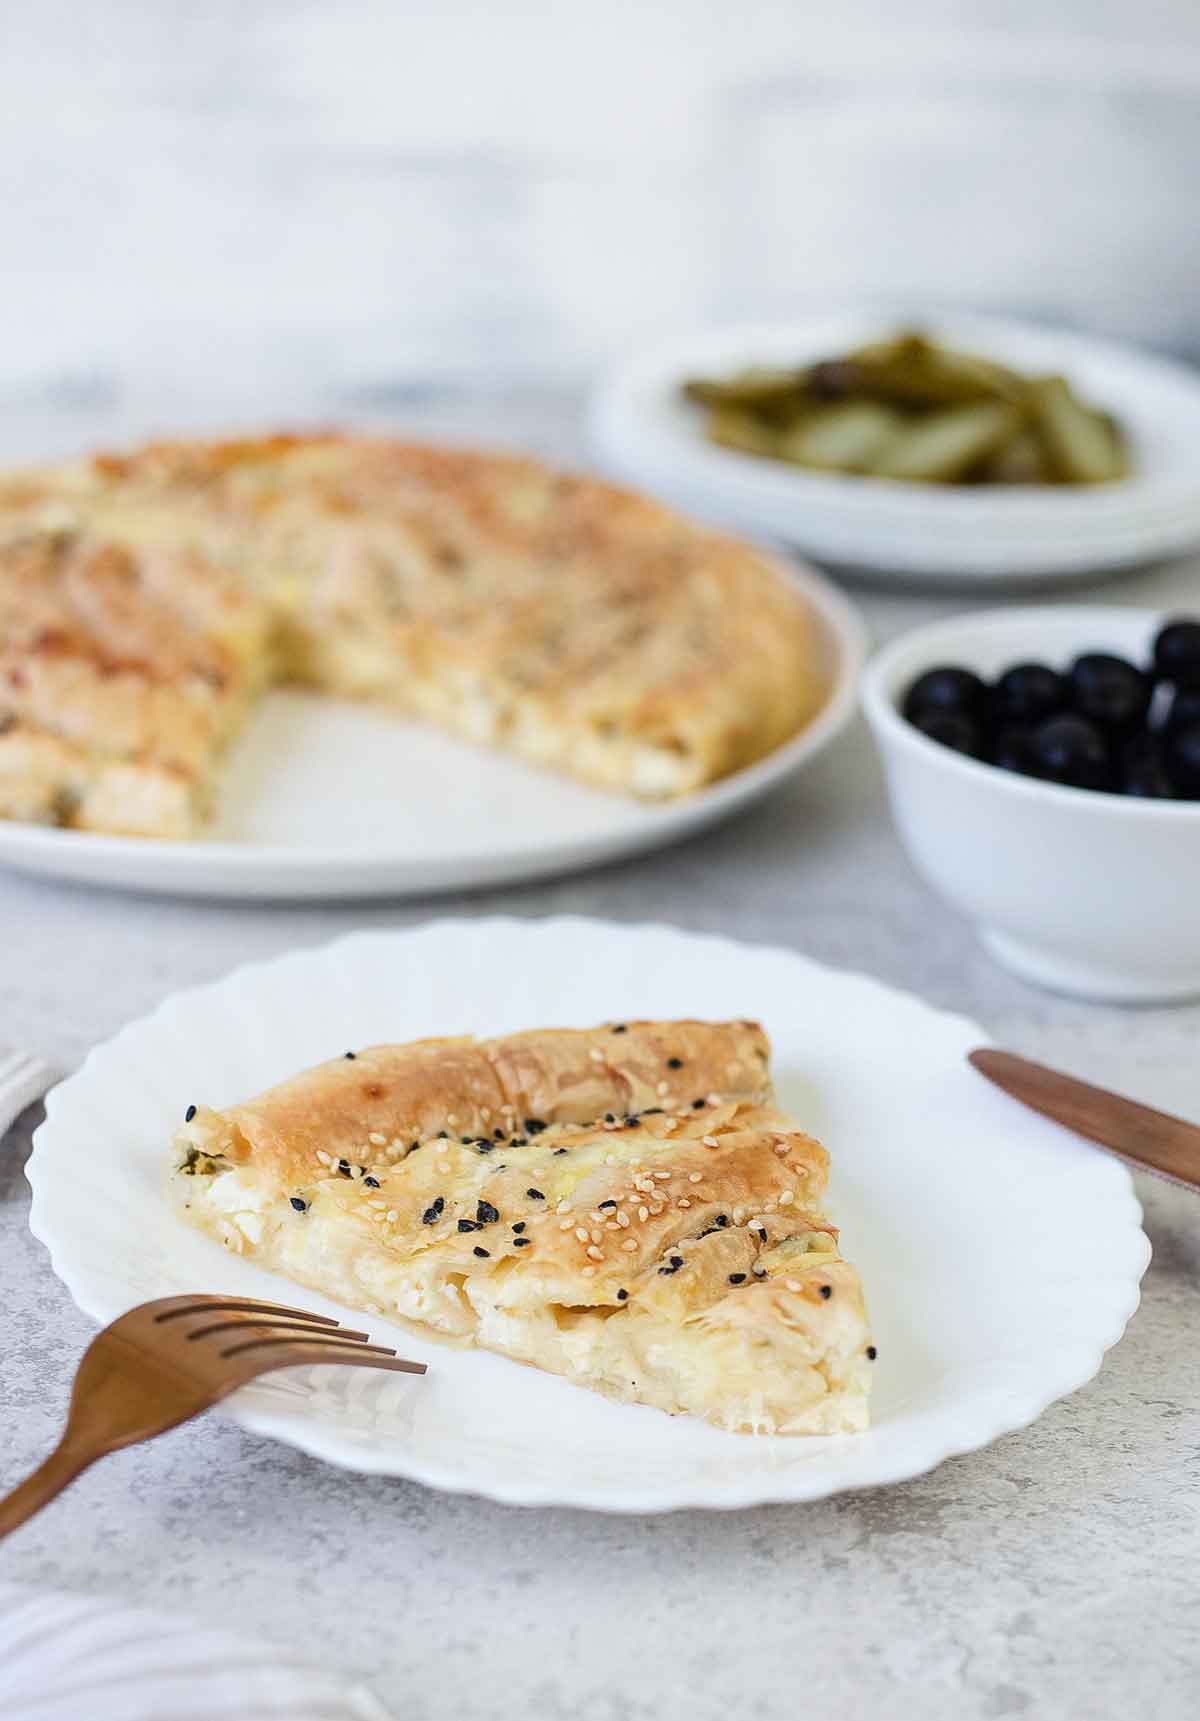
146 600
624 1206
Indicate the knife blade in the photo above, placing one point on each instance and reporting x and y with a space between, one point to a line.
1147 1139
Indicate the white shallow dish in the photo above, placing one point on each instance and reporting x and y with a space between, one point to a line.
647 434
1085 893
980 1325
322 798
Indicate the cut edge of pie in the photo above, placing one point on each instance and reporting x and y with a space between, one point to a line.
623 1206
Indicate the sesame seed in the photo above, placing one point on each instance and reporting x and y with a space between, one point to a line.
683 1202
787 1197
630 1244
392 1215
792 1284
377 1140
662 1090
710 1141
189 1114
581 1233
595 1254
662 1176
596 1055
623 1221
643 1214
298 1204
535 1195
567 1225
485 1113
595 1236
324 1158
611 1225
451 1119
563 1207
695 1176
483 1253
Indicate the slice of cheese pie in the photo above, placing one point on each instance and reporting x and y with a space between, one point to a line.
622 1205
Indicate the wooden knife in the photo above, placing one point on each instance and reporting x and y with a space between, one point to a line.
1150 1140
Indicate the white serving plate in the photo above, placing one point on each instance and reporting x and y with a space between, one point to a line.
647 434
1001 1256
323 798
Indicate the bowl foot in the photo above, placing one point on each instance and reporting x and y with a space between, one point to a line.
1080 978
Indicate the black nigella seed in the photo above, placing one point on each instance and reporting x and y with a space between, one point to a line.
675 1260
622 1296
415 1147
465 1140
486 1214
518 1225
826 1291
521 1242
652 1111
484 1145
189 1114
497 1135
435 1212
674 1063
350 1055
469 1225
300 1206
559 1150
697 1105
482 1253
722 1219
737 1278
619 1028
610 1117
631 1122
872 1353
371 1182
343 1166
534 1126
535 1195
443 1135
601 1205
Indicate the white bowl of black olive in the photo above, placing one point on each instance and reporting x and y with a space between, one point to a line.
1043 766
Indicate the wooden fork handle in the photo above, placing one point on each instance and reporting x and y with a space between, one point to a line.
38 1489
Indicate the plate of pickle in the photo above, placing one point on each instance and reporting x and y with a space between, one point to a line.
956 450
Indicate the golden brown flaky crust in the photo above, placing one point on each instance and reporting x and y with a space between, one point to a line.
623 1205
576 624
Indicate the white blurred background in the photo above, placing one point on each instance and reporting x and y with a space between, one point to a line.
261 205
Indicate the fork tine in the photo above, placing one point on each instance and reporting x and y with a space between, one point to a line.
269 1321
332 1342
302 1354
173 1307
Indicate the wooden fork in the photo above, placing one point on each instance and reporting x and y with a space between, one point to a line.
164 1362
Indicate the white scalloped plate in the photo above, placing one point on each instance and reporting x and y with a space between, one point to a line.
326 799
1001 1256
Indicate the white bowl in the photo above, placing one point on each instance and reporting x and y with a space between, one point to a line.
646 433
1087 893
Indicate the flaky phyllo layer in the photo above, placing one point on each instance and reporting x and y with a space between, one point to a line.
623 1206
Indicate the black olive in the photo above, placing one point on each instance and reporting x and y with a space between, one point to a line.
1071 750
944 689
952 729
1183 761
1184 710
1012 750
1143 771
1177 652
1110 692
1027 693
